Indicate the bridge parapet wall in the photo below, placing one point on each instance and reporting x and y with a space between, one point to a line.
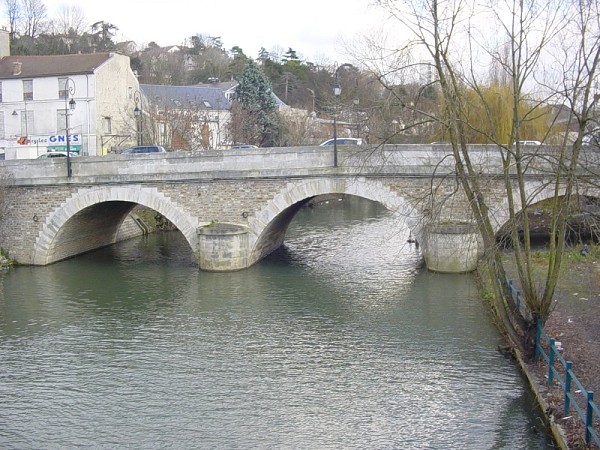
432 160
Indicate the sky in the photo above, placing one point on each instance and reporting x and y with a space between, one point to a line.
316 29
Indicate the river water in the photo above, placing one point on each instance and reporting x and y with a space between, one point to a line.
339 340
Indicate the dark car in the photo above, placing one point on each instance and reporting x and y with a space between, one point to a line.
144 149
244 146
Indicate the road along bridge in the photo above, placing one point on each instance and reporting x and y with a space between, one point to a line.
234 207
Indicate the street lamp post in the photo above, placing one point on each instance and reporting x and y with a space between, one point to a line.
69 106
337 90
313 99
23 116
138 113
356 103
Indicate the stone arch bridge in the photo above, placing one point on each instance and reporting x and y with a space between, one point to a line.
234 207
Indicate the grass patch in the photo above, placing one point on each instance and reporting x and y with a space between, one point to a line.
577 274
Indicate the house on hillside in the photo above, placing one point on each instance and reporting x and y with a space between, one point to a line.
85 98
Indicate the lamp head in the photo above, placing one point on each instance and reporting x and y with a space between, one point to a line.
337 90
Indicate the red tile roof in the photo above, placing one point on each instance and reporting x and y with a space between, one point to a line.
51 65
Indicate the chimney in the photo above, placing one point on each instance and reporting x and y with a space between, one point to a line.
17 68
4 42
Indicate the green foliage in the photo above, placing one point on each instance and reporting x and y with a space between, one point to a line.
238 63
100 38
256 120
5 261
103 32
254 90
263 55
272 70
574 254
290 55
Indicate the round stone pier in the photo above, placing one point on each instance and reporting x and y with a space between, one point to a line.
222 247
451 247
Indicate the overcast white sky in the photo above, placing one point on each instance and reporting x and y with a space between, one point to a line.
314 28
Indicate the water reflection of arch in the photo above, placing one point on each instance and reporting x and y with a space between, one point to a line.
91 219
270 224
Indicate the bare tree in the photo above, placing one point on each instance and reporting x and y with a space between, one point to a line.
34 14
459 39
13 12
71 20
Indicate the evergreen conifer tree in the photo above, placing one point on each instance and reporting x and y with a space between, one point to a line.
257 121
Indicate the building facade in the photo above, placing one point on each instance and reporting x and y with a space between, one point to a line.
85 99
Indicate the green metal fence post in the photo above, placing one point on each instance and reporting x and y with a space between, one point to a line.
551 363
568 387
588 417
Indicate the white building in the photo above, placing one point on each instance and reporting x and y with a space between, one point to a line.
36 93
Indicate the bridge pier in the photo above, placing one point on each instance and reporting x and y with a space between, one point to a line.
222 247
451 247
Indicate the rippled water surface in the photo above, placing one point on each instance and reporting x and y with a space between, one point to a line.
339 340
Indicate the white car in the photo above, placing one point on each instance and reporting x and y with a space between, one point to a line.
57 155
343 141
529 143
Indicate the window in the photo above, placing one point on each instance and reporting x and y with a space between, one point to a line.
61 122
27 89
2 136
62 88
106 125
0 91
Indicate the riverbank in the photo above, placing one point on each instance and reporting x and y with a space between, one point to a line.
575 323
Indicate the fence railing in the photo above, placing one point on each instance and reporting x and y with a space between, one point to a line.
555 373
585 412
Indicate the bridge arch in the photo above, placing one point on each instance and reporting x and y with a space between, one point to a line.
536 191
270 224
90 218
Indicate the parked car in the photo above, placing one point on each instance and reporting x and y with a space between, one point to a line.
343 141
591 139
243 146
57 155
144 149
528 143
